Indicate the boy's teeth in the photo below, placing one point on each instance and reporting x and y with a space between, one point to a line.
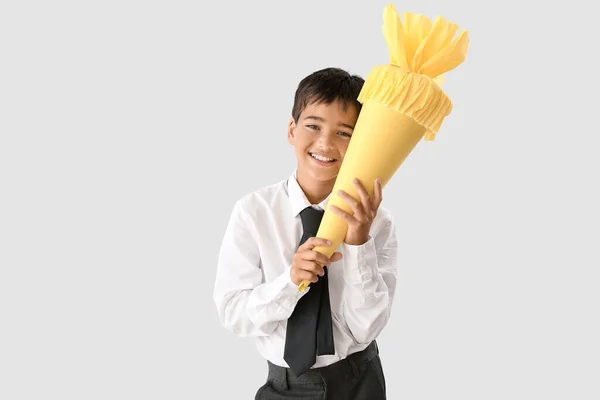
321 158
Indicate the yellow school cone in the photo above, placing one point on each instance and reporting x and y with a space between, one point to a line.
402 103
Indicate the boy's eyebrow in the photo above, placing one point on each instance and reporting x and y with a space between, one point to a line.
323 120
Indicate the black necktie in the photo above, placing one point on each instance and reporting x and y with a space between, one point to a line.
309 329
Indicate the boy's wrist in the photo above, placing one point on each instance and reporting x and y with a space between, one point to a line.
357 241
360 261
290 288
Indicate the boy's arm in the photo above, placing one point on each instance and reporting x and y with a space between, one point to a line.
370 283
246 305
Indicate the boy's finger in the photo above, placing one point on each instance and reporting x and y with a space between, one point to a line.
350 219
307 276
314 242
313 268
378 194
312 255
351 201
337 256
362 193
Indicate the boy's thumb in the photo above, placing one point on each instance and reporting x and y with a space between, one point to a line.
337 256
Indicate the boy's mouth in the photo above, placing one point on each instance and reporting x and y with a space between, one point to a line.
321 158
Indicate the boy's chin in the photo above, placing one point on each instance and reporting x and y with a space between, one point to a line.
323 174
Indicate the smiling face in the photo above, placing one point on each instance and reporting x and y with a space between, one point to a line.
320 138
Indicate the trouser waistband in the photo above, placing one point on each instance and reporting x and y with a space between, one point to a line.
338 370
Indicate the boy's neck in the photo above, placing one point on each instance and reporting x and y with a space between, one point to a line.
315 191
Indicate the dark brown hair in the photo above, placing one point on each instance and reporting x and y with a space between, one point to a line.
326 86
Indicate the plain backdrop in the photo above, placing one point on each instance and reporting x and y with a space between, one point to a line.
129 129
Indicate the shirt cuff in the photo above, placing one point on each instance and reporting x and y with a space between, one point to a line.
283 290
361 262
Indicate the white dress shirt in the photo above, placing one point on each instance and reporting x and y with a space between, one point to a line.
255 295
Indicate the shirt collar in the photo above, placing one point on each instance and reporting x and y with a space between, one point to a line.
298 200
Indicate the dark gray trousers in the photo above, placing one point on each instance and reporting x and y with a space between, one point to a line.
358 377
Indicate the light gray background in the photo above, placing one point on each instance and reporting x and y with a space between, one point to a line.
129 129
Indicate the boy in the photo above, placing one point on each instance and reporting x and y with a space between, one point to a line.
261 262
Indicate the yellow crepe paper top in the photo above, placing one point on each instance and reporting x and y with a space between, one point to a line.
420 53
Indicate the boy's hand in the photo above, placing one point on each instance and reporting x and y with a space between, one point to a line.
307 264
365 211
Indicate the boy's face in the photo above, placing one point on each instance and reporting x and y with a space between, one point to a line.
320 138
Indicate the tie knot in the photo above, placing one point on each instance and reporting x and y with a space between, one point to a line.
311 219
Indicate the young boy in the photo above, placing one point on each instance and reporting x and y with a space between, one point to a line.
261 263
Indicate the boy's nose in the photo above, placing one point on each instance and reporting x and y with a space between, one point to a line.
325 141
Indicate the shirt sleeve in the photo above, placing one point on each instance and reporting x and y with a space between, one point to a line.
246 305
370 272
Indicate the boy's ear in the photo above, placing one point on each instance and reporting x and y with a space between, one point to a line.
291 131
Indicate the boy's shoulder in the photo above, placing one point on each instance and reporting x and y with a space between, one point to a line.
265 197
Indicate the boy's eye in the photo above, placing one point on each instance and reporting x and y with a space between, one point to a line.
344 134
312 127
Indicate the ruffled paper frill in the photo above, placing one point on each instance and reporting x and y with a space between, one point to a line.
421 51
414 95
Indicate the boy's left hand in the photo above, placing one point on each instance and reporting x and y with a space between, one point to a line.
365 210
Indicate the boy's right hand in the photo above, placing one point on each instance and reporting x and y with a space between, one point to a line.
307 264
